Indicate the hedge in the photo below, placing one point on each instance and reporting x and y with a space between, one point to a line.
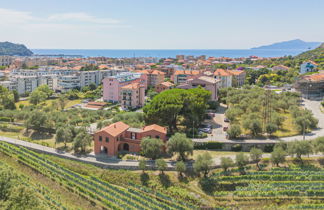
208 145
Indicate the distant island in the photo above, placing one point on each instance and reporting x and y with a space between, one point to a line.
292 44
8 48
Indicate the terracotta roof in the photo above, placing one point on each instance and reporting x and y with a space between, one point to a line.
207 79
156 128
315 77
188 72
281 67
132 86
150 71
236 72
167 84
222 72
115 129
312 62
94 103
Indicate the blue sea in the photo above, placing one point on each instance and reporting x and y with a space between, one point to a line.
168 53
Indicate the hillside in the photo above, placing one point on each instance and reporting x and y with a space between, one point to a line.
8 48
290 45
316 55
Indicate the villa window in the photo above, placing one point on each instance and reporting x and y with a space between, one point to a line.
100 138
107 139
133 135
157 136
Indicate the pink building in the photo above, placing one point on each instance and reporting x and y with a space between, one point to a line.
119 137
132 96
112 85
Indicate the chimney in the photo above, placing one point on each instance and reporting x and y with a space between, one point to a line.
114 125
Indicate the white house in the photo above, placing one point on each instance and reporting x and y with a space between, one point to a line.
308 66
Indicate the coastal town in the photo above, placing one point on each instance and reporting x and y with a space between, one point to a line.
187 114
161 105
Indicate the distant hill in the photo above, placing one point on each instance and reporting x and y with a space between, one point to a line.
316 55
8 48
292 44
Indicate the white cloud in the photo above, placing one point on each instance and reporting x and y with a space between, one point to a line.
81 17
64 30
8 16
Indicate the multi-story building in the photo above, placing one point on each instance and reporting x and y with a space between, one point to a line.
49 80
181 76
68 82
225 78
154 77
112 85
132 96
208 83
10 85
238 77
26 84
5 60
119 137
311 86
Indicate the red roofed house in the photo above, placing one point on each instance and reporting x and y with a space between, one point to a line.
119 137
164 86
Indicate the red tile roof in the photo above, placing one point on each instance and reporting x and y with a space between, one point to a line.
156 128
222 72
115 129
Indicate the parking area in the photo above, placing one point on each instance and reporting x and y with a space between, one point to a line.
217 124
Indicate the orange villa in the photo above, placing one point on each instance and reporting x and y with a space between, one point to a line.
120 137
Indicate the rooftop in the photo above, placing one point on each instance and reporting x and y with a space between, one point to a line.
115 129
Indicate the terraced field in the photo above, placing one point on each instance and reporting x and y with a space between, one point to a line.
289 188
100 193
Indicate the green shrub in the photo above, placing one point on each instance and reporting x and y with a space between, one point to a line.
268 148
5 119
208 145
236 148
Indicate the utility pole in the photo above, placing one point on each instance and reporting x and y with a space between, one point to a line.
193 130
304 130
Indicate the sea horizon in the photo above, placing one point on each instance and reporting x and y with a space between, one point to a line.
169 53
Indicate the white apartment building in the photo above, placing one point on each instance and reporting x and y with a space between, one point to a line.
68 82
26 84
10 85
5 60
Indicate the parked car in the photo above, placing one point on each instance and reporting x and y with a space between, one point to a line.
205 130
206 126
226 120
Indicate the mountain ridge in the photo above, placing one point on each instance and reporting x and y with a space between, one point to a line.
291 44
12 49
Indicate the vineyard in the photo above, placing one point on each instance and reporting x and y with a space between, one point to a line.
99 192
290 188
49 200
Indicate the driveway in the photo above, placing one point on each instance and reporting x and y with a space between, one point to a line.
219 135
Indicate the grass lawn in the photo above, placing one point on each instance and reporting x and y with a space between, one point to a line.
288 127
48 102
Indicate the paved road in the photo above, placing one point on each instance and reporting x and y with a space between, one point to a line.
314 106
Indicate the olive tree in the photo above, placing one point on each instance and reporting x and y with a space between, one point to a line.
180 144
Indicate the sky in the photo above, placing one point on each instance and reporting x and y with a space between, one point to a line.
159 24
